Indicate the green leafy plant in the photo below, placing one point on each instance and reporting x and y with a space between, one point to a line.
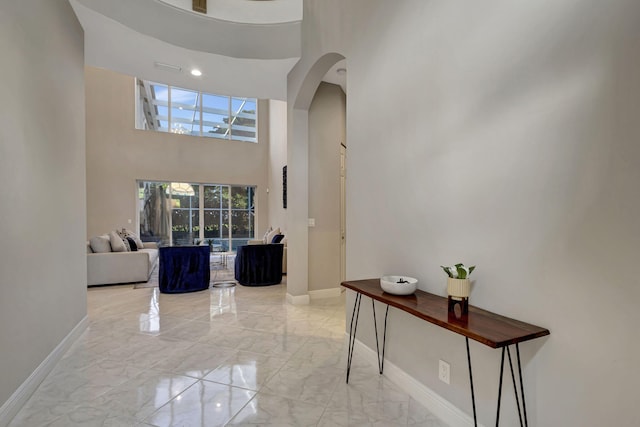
458 271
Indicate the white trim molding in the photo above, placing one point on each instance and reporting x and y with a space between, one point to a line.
298 299
17 400
428 398
325 293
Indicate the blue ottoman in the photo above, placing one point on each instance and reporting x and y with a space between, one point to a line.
183 269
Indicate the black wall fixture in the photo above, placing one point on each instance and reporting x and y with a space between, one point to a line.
284 187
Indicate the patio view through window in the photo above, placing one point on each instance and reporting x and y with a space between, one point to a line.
177 213
167 108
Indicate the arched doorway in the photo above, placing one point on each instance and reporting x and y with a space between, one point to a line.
298 179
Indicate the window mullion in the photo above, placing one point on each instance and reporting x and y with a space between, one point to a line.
170 216
221 216
230 219
229 127
169 124
201 117
201 212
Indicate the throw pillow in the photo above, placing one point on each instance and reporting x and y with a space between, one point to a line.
134 236
132 244
100 244
123 235
271 234
266 235
126 244
117 244
277 238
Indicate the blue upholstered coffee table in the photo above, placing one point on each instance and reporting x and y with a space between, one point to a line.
183 269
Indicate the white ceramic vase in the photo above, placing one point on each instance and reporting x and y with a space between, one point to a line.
458 288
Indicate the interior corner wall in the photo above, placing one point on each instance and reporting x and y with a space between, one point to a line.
505 135
118 155
277 160
42 169
326 133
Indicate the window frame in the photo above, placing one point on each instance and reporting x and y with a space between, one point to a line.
225 239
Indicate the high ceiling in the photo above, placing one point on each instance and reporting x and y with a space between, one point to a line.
237 54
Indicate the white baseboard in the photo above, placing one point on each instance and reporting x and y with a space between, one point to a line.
17 400
325 293
428 398
298 300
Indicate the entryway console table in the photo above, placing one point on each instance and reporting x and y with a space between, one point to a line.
480 325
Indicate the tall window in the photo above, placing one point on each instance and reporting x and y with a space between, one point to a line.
167 108
176 213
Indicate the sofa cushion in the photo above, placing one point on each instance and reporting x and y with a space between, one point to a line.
100 244
277 238
117 244
271 234
153 256
123 235
266 235
121 267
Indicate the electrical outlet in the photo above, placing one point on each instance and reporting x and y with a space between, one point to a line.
444 371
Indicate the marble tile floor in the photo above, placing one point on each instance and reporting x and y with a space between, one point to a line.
238 356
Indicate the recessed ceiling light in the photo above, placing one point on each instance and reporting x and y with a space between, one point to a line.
196 72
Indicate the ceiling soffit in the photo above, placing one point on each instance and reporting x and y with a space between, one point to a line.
248 11
202 33
113 46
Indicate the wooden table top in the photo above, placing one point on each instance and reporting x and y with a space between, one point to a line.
479 325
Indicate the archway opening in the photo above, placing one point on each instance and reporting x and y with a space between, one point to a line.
298 161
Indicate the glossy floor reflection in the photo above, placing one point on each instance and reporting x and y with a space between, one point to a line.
228 356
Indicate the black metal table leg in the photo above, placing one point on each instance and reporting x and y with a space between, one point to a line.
384 335
524 406
352 331
522 412
473 397
515 388
500 388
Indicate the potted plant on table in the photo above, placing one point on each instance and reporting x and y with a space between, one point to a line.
458 287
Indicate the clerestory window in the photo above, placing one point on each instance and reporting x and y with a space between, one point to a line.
166 108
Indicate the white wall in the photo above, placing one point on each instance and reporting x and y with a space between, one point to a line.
42 170
502 134
118 155
326 131
277 159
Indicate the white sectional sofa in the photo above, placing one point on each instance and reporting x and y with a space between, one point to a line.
121 267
